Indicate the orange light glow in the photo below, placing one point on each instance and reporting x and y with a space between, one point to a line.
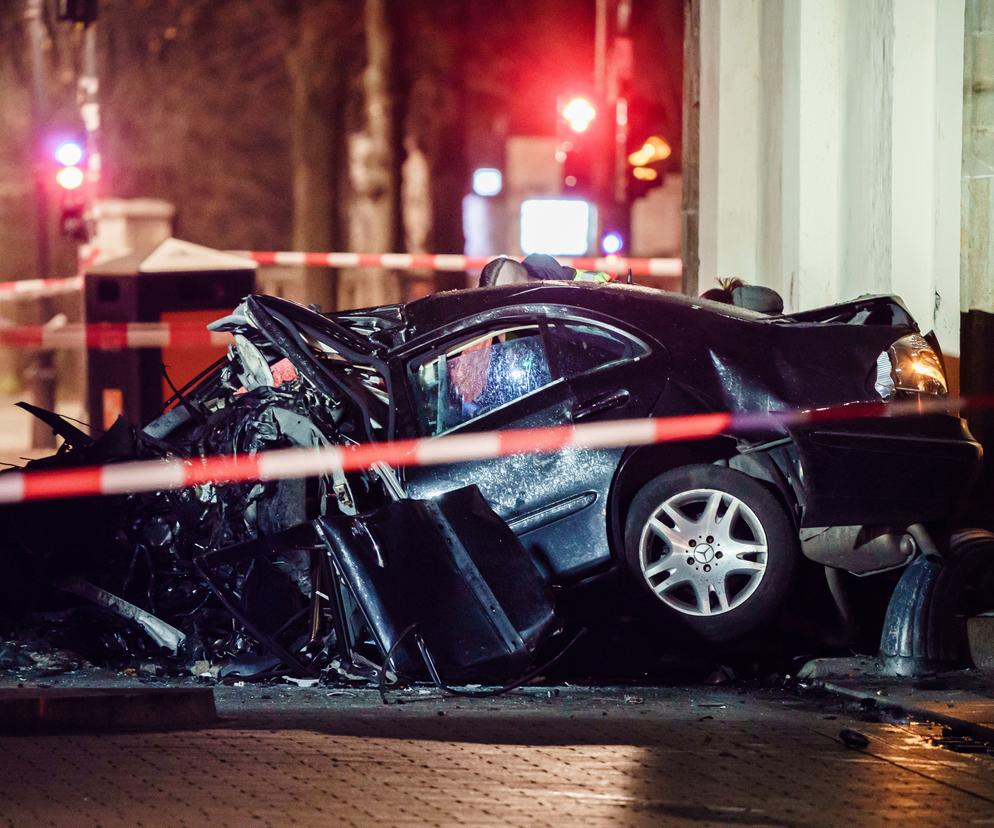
654 149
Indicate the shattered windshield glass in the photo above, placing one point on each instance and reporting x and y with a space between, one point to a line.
480 375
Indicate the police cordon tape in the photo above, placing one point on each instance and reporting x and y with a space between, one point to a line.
452 263
134 477
439 262
28 288
111 336
55 286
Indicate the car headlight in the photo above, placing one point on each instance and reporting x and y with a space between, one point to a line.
913 366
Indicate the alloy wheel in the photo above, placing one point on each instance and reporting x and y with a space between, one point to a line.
703 552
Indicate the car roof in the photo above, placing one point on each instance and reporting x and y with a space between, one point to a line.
633 303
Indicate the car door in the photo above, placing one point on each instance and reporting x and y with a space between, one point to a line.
611 375
507 374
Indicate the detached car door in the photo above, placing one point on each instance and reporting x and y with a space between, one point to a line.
513 374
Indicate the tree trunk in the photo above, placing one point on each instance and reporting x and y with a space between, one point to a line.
435 130
690 224
317 49
373 226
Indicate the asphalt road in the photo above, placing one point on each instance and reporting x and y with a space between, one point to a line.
284 755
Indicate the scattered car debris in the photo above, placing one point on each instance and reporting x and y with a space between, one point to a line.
720 675
150 669
854 739
163 634
299 682
13 657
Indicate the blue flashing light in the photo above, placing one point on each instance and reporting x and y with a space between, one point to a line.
612 243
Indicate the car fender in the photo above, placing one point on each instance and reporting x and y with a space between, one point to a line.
641 464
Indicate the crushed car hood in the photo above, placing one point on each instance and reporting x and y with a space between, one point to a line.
301 334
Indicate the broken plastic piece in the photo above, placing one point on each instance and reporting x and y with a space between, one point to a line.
301 682
163 634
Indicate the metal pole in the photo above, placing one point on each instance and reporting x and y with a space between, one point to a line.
41 374
602 161
87 91
600 48
36 34
621 92
690 206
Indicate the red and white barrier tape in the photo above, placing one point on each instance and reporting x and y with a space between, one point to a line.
28 288
158 475
449 263
111 336
441 262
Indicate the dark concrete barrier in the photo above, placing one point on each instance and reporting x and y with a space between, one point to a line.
56 710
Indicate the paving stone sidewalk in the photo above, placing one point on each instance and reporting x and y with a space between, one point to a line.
962 699
284 755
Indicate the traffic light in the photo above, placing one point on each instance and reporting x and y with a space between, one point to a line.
645 166
72 221
70 178
579 113
579 133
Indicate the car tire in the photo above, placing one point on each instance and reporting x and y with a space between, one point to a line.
717 579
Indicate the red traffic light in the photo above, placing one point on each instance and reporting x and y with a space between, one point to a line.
69 178
579 113
69 157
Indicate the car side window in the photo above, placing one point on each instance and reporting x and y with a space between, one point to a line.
479 375
578 348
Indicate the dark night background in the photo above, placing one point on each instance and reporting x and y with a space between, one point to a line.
227 109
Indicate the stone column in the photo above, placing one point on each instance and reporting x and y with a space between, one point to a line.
829 150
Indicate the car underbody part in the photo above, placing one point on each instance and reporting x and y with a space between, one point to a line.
842 601
861 550
451 568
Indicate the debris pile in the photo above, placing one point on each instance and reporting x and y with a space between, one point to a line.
340 577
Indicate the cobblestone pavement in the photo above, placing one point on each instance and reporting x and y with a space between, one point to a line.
292 756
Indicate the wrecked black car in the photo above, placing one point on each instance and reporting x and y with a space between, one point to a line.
447 569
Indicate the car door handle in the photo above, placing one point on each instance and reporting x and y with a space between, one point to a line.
600 403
